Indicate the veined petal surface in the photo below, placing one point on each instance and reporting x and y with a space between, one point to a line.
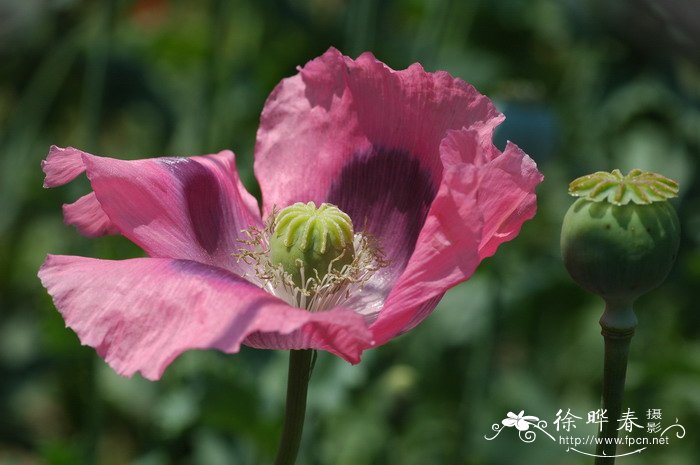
188 208
140 314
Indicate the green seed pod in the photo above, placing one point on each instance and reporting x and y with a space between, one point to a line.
311 240
619 241
621 238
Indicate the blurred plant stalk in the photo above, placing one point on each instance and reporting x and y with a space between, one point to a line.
617 341
300 366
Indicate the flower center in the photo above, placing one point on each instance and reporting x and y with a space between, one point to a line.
311 257
310 242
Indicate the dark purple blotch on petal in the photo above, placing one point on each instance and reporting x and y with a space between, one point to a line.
203 199
387 194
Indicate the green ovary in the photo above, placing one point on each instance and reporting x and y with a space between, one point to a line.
619 251
316 239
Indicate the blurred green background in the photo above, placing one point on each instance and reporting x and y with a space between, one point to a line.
585 84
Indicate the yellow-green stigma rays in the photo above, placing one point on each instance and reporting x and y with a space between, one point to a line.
310 257
639 187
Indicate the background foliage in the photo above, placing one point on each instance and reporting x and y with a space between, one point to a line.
585 85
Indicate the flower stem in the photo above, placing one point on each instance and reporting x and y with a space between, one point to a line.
618 323
295 410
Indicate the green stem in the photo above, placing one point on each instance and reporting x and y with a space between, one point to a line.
618 323
295 410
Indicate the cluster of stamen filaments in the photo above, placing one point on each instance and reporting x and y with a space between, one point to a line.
317 293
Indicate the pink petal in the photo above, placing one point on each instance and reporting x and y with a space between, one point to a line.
366 138
62 165
189 208
507 197
338 109
140 314
446 253
507 184
87 216
484 199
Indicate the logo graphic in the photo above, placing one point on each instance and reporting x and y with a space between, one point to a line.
650 434
522 423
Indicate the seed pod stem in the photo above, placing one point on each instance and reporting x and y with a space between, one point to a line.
617 327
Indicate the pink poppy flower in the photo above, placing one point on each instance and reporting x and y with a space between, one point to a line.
408 155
